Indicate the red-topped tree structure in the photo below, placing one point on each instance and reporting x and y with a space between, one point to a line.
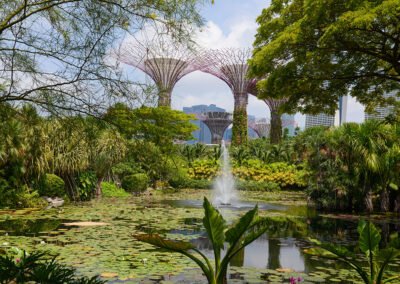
230 65
163 59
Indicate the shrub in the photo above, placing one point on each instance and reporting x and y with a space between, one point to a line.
283 174
124 169
86 184
199 184
257 186
52 185
203 170
135 183
110 189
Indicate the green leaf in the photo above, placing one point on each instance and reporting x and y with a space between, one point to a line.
215 227
385 256
156 240
369 237
234 234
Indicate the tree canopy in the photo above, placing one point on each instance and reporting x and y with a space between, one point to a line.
159 125
314 51
54 53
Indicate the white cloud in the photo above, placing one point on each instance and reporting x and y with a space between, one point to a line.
240 35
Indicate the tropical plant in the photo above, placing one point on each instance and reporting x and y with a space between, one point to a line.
368 243
21 267
248 228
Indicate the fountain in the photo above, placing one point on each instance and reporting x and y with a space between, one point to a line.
224 185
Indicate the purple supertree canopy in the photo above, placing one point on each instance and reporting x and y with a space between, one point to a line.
230 65
164 60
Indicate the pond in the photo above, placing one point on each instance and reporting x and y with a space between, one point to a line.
109 249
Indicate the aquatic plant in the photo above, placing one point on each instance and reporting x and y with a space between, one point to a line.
248 228
368 243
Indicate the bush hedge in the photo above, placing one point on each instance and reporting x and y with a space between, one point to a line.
135 183
52 186
110 189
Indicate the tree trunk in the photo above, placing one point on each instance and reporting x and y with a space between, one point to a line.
396 207
385 202
239 129
98 187
276 128
69 185
369 206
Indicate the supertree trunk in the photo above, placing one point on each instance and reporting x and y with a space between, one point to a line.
239 129
164 99
276 128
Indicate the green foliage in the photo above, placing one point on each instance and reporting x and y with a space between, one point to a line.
135 183
21 267
110 189
377 259
203 170
123 169
52 185
184 181
248 228
351 165
86 184
283 174
257 185
239 129
333 48
160 125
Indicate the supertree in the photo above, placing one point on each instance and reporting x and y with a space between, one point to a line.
217 122
230 65
274 105
166 61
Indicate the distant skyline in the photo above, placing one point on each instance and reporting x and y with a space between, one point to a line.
232 23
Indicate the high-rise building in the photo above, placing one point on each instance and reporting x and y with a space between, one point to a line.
320 119
323 119
382 112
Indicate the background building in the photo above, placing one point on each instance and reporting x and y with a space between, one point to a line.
203 134
324 119
321 119
289 123
382 112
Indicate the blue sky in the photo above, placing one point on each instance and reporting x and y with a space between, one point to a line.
231 23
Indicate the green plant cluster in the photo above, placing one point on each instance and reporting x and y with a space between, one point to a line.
203 170
17 266
280 173
112 190
135 183
353 167
52 185
73 155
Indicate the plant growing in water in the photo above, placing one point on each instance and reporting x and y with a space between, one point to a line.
249 227
368 243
